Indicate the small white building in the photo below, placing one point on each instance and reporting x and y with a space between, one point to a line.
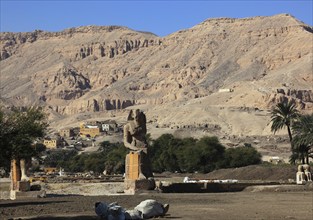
225 90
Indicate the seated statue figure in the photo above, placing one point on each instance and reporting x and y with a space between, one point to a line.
300 176
135 139
135 131
307 172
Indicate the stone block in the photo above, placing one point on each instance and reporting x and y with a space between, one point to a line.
23 186
132 186
15 195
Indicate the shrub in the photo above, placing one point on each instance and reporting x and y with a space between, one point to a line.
241 156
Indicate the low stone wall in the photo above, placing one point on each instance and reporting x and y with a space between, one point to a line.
208 187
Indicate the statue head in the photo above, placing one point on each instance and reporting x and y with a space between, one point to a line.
138 117
306 167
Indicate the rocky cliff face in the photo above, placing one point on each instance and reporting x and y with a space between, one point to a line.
96 69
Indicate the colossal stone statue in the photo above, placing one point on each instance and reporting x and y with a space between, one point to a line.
300 176
137 161
307 172
304 174
135 131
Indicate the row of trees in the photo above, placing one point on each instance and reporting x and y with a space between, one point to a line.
204 155
299 128
110 157
167 153
19 130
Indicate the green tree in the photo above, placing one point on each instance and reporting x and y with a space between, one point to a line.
303 137
210 152
115 159
59 158
5 154
163 153
110 156
283 115
19 129
76 163
186 155
94 162
241 156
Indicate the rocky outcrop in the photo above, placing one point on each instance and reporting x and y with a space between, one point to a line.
110 50
273 99
65 83
115 104
302 98
69 94
4 54
10 42
93 105
303 95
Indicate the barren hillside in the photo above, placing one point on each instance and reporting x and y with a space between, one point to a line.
219 77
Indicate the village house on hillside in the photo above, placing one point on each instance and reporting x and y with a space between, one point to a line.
66 132
109 125
95 128
89 129
52 143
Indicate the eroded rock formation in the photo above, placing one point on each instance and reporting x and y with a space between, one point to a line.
94 69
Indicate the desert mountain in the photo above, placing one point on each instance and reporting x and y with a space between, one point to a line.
222 75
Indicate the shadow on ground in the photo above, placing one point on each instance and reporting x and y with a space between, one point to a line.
16 204
76 217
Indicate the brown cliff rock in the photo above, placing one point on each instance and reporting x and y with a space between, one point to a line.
261 60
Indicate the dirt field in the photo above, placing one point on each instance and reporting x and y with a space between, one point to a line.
285 201
242 205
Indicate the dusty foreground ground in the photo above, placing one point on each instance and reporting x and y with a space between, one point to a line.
240 205
273 202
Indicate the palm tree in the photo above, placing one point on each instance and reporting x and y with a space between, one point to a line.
303 136
283 115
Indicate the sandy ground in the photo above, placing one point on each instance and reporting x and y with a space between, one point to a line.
272 202
241 205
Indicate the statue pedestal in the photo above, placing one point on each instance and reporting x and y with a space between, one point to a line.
20 189
132 166
134 177
23 186
133 186
23 191
16 195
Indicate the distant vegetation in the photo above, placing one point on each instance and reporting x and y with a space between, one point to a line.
110 156
20 129
204 155
167 154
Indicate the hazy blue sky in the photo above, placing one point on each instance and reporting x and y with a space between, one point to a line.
159 17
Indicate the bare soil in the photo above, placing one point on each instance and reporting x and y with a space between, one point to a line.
242 205
285 201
